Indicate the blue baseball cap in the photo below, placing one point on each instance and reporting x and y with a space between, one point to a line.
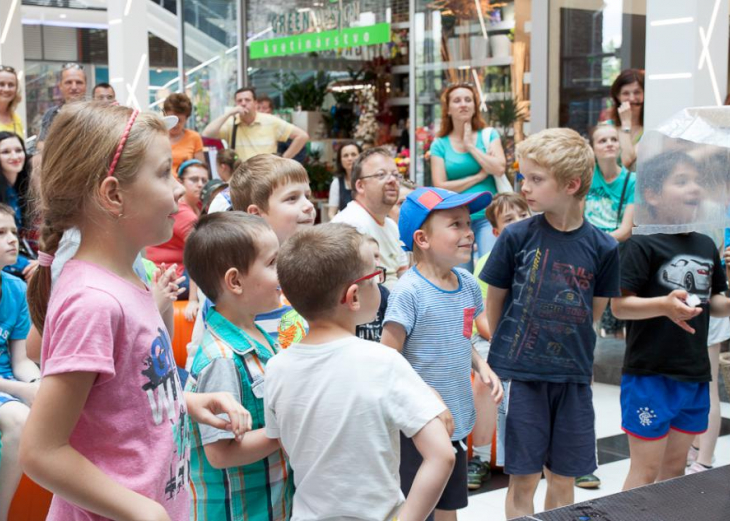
422 201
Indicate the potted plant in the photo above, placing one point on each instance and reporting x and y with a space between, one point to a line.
305 97
503 114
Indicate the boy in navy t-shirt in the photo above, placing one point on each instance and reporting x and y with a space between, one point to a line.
19 377
549 278
429 319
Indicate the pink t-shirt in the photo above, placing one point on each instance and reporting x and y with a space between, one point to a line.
133 425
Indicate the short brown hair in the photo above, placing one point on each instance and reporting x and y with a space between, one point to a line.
364 156
178 103
503 202
221 241
332 262
7 210
256 179
564 153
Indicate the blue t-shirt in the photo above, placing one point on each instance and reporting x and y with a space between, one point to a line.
14 319
546 332
438 327
459 165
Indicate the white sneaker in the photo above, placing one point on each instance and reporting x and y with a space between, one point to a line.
695 468
692 455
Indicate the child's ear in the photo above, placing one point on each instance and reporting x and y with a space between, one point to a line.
651 197
352 297
495 232
420 239
254 210
573 186
110 196
233 281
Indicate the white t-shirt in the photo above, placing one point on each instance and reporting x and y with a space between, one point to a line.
334 200
392 255
340 406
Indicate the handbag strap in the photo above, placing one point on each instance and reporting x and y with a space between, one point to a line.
233 134
619 217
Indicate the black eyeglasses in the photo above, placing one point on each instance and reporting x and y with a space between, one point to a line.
71 65
7 68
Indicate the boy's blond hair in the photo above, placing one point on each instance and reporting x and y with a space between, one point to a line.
564 153
256 179
332 261
503 202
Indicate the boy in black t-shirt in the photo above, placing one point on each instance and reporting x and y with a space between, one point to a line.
670 284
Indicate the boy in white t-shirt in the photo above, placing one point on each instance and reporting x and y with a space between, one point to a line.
338 402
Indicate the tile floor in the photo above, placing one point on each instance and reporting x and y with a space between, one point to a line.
612 446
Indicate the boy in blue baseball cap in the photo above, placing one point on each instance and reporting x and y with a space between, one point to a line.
429 320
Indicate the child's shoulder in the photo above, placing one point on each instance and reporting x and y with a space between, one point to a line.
13 284
468 279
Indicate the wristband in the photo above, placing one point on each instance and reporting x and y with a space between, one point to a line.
626 130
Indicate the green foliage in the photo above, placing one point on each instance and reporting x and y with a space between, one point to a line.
504 113
307 94
320 176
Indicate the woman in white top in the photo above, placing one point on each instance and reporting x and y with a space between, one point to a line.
340 189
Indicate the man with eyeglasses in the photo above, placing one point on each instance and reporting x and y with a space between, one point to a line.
375 186
72 85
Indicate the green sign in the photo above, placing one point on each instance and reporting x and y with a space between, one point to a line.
324 41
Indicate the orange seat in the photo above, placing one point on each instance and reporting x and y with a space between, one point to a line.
182 334
31 502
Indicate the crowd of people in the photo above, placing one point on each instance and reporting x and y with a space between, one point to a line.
336 370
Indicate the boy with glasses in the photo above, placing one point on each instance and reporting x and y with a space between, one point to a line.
336 402
375 181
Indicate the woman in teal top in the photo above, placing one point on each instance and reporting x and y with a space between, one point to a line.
610 202
466 155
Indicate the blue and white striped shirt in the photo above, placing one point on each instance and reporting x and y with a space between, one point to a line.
438 327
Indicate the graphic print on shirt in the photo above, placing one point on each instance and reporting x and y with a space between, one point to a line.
688 272
167 403
548 301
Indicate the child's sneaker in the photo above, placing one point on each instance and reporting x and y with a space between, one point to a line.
692 455
478 472
696 468
588 481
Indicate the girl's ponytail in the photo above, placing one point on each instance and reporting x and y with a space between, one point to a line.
39 285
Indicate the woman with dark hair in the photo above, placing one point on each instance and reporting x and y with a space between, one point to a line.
466 156
186 144
340 189
9 98
14 189
627 113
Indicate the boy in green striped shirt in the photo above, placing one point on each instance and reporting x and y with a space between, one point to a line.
232 258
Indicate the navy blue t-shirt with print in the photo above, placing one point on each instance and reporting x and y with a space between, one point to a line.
545 332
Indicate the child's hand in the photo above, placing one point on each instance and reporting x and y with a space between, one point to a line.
490 378
191 310
28 392
166 286
677 310
204 408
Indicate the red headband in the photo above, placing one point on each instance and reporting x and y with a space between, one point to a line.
125 135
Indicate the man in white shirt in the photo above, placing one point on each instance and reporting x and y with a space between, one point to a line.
376 182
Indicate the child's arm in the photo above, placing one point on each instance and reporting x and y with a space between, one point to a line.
49 459
599 306
23 368
191 310
486 409
486 375
394 335
482 323
33 345
205 408
165 289
495 304
672 306
253 447
719 306
434 445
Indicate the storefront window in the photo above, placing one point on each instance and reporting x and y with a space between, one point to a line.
485 45
591 42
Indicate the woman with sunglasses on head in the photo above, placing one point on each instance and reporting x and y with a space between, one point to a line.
186 144
9 98
466 155
14 191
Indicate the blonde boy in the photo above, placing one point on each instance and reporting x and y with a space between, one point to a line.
549 276
248 478
336 402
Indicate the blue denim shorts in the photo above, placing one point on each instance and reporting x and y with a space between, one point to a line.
652 405
549 425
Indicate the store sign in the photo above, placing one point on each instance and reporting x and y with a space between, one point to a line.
324 18
324 41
